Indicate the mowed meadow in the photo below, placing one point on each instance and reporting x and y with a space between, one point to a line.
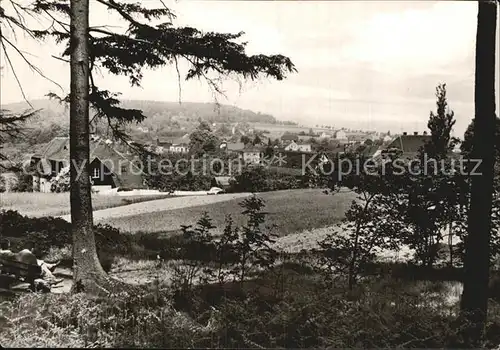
38 204
288 211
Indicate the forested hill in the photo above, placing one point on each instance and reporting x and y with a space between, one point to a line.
162 118
156 111
195 110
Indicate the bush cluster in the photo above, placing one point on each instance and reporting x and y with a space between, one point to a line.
20 182
303 316
42 234
260 179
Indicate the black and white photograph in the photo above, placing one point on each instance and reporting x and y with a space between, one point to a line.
242 174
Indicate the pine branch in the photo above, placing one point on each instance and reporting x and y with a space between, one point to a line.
154 46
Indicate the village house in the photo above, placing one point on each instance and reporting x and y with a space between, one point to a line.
356 137
108 168
341 136
251 155
165 144
408 145
298 147
325 135
179 148
177 145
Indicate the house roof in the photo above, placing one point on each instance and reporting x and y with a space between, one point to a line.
223 180
235 146
131 178
58 150
28 156
369 151
163 141
409 143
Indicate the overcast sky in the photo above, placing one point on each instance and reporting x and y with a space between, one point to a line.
370 65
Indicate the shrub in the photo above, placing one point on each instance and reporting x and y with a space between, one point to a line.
76 320
25 183
368 229
42 234
305 314
260 179
61 183
39 233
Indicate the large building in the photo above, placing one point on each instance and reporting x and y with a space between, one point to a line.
108 166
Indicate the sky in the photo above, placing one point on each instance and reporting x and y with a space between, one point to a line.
370 65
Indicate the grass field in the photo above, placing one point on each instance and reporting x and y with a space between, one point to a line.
161 205
290 211
54 204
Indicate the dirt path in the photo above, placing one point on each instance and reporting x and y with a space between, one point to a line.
308 240
143 272
160 205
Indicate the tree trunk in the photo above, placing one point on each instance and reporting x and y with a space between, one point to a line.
351 278
352 265
87 269
450 241
477 253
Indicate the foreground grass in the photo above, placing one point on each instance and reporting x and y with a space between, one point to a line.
54 204
296 311
290 211
293 305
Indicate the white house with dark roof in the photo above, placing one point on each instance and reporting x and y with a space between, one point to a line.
108 167
252 155
341 136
